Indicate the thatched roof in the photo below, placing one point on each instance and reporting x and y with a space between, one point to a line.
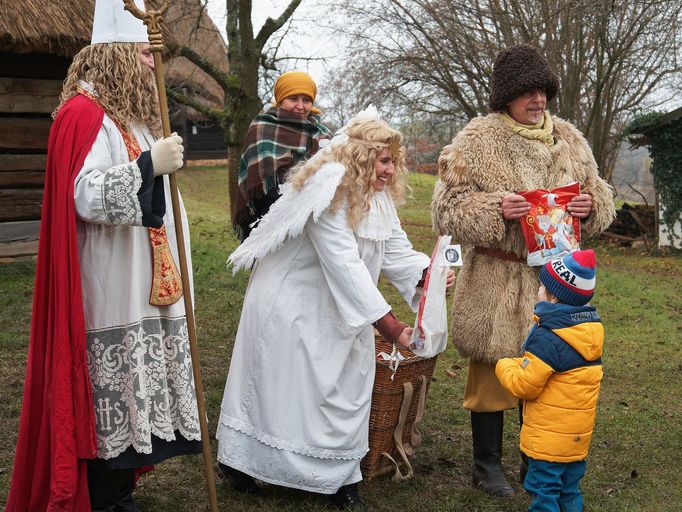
49 26
191 26
63 27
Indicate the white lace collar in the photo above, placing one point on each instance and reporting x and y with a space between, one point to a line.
378 224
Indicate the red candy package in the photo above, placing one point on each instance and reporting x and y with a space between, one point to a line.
549 230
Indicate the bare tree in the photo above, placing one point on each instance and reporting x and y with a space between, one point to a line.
247 54
435 56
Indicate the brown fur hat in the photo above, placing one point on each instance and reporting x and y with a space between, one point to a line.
517 70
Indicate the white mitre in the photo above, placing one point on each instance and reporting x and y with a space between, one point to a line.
113 24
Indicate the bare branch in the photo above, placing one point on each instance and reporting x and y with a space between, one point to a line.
435 58
212 70
212 113
271 26
638 193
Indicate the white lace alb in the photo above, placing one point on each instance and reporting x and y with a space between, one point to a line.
142 384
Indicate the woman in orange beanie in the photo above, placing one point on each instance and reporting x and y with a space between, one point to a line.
278 138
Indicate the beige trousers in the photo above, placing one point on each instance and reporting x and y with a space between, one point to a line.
483 392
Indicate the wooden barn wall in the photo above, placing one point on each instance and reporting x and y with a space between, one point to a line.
201 141
29 91
30 85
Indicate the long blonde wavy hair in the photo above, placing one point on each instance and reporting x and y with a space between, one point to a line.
357 185
122 83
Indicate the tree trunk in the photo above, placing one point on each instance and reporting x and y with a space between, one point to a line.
242 109
245 54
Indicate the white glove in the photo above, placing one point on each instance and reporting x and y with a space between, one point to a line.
167 155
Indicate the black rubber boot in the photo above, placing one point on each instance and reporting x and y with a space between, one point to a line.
111 490
124 499
347 498
240 481
523 467
486 431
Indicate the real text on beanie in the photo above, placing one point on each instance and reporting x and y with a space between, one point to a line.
571 279
517 70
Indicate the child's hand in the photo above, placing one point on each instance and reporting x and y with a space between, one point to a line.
403 340
451 279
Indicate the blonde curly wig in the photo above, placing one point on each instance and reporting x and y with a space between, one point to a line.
357 185
123 85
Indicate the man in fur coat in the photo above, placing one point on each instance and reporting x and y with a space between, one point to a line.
519 146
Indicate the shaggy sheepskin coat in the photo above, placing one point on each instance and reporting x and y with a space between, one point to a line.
494 298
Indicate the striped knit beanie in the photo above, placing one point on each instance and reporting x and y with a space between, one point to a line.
571 279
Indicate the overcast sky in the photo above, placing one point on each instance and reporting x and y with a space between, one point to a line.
309 39
305 40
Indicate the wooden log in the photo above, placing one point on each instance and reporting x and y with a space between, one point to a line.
22 231
634 221
22 179
609 234
9 162
34 65
639 222
14 249
20 204
17 133
27 95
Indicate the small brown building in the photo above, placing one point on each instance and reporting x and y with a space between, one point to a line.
38 39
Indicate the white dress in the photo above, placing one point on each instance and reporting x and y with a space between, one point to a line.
297 399
138 354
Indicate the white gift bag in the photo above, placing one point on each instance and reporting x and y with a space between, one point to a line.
430 335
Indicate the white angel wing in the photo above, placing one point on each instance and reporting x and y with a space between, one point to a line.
288 215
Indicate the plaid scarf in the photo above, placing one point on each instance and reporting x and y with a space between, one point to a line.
277 139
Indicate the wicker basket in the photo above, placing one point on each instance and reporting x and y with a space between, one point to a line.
397 408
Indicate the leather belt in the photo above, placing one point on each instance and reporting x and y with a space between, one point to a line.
499 254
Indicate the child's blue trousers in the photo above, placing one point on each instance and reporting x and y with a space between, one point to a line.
555 486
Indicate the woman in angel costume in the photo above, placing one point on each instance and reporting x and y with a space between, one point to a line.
297 399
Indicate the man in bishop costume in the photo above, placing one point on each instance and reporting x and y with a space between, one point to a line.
109 386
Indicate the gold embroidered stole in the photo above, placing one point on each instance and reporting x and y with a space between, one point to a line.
166 281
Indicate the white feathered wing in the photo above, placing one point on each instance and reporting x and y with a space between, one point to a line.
288 215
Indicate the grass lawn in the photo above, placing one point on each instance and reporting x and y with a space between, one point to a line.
636 453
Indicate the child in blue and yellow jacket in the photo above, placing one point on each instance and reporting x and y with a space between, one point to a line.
558 379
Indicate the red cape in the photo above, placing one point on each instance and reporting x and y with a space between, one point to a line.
57 427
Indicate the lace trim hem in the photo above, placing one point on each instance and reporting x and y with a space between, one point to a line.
282 444
142 384
146 446
274 481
